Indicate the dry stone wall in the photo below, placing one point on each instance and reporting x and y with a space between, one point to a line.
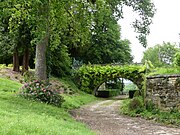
164 91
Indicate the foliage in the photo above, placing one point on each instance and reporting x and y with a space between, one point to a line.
20 116
38 90
176 61
160 55
15 32
130 86
28 76
114 92
136 104
116 83
2 65
149 112
133 107
150 106
137 93
145 10
59 62
161 71
92 76
105 44
74 24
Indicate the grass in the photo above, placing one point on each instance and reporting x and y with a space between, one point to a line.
8 85
76 100
165 71
167 117
19 116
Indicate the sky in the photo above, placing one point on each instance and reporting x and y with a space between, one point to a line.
165 27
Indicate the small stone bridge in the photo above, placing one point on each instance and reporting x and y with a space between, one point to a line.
90 77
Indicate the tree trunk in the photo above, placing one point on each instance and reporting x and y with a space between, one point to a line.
41 47
16 61
40 65
25 60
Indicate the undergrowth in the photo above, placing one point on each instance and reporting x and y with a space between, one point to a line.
135 108
41 91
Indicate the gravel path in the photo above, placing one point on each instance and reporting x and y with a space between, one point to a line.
103 118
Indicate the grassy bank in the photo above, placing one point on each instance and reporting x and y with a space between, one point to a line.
19 116
135 108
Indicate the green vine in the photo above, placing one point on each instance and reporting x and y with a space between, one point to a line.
91 76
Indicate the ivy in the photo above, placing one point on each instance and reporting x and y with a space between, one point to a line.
92 76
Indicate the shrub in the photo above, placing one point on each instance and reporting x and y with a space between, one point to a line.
137 93
150 105
177 59
2 65
10 65
28 77
136 104
114 92
39 91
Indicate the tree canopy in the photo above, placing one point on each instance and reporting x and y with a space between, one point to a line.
64 30
161 55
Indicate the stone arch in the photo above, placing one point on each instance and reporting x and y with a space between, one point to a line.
139 85
92 76
137 82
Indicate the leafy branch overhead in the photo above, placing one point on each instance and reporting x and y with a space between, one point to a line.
55 32
145 10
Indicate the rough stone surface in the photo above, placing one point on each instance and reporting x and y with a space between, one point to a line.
164 91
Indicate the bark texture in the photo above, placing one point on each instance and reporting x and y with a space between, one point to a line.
40 65
25 60
16 61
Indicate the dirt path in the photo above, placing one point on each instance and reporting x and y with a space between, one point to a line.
103 118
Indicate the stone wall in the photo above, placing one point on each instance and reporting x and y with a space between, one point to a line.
164 91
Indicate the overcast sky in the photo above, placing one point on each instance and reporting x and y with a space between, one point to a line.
165 27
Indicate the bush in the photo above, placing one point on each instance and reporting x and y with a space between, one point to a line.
150 105
10 65
114 92
2 65
136 104
39 91
137 93
28 77
177 59
134 107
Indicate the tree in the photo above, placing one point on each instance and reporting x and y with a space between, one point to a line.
15 32
48 20
105 45
5 44
77 33
145 10
161 55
